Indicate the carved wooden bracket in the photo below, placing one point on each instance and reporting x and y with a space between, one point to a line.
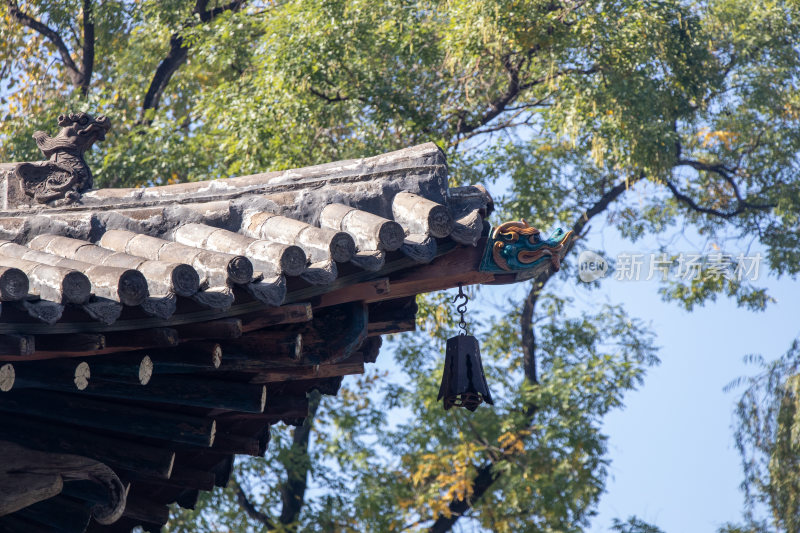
29 476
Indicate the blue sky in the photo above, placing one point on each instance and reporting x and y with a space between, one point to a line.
673 459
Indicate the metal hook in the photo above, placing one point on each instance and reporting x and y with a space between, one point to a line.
461 308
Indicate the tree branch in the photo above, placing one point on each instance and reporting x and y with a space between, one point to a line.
486 474
528 335
741 205
329 99
526 317
512 92
250 508
87 61
498 105
483 480
717 168
506 124
177 55
297 466
166 68
51 35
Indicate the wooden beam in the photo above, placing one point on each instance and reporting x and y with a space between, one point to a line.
114 342
185 476
217 463
76 342
226 328
238 444
60 513
101 415
115 452
353 365
446 272
188 499
188 358
134 369
22 345
285 314
370 291
139 507
66 375
263 349
392 316
223 471
388 327
187 390
277 407
371 348
143 338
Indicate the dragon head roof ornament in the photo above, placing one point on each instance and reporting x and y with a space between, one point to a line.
519 247
65 175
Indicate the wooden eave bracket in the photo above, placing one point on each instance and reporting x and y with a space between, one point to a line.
36 476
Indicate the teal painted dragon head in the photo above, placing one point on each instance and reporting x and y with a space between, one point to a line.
519 247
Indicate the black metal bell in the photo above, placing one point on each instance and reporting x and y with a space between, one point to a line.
463 382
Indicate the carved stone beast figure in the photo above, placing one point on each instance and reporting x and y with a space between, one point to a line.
65 175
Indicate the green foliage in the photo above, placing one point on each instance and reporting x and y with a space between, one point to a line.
651 115
634 525
768 439
387 457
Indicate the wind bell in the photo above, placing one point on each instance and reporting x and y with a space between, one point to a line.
463 382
